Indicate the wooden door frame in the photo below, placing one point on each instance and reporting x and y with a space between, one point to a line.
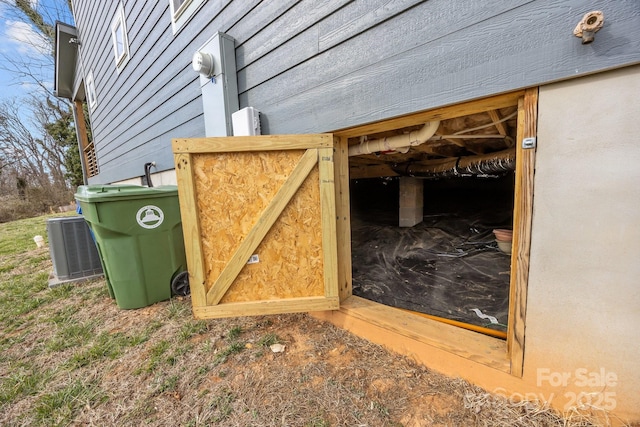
505 356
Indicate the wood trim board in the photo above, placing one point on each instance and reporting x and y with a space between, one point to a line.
522 216
191 228
251 144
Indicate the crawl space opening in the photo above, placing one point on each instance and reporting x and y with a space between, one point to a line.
432 217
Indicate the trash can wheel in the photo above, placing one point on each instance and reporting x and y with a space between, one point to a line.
180 284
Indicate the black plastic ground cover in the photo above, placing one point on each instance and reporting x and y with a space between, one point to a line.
447 266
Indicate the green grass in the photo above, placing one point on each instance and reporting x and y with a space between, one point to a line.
22 381
155 358
268 340
143 410
21 294
318 421
134 339
71 335
63 291
160 348
68 356
168 384
23 272
222 404
63 315
104 346
59 407
192 328
18 235
33 325
178 309
94 293
233 348
382 410
234 333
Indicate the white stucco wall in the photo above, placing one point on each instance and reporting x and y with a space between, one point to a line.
583 310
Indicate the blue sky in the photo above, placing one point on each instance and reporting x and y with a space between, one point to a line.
19 41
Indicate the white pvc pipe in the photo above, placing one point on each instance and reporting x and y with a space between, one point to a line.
399 143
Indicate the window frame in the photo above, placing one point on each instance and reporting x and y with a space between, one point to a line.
176 13
119 25
183 13
92 96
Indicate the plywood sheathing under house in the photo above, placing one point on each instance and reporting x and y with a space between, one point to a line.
290 251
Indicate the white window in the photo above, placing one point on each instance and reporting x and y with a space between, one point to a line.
92 99
120 42
182 11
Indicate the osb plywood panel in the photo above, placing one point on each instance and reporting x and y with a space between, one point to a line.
291 262
232 190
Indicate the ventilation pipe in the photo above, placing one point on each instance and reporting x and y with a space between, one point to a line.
397 143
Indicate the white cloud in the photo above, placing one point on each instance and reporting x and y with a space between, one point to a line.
25 38
31 87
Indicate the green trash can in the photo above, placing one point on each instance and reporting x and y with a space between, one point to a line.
138 232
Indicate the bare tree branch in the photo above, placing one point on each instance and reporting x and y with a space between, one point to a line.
36 19
29 155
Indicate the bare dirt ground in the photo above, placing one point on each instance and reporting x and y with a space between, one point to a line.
76 359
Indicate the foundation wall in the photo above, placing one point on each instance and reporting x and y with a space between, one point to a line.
583 304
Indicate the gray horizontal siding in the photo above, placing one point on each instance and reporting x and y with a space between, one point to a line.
134 160
313 66
165 116
306 14
372 48
151 133
142 69
155 94
258 18
357 18
451 54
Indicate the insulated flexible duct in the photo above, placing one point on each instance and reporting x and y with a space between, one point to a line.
486 164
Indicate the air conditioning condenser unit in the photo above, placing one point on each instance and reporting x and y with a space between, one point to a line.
73 251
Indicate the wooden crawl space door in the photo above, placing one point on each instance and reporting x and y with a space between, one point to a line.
259 223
